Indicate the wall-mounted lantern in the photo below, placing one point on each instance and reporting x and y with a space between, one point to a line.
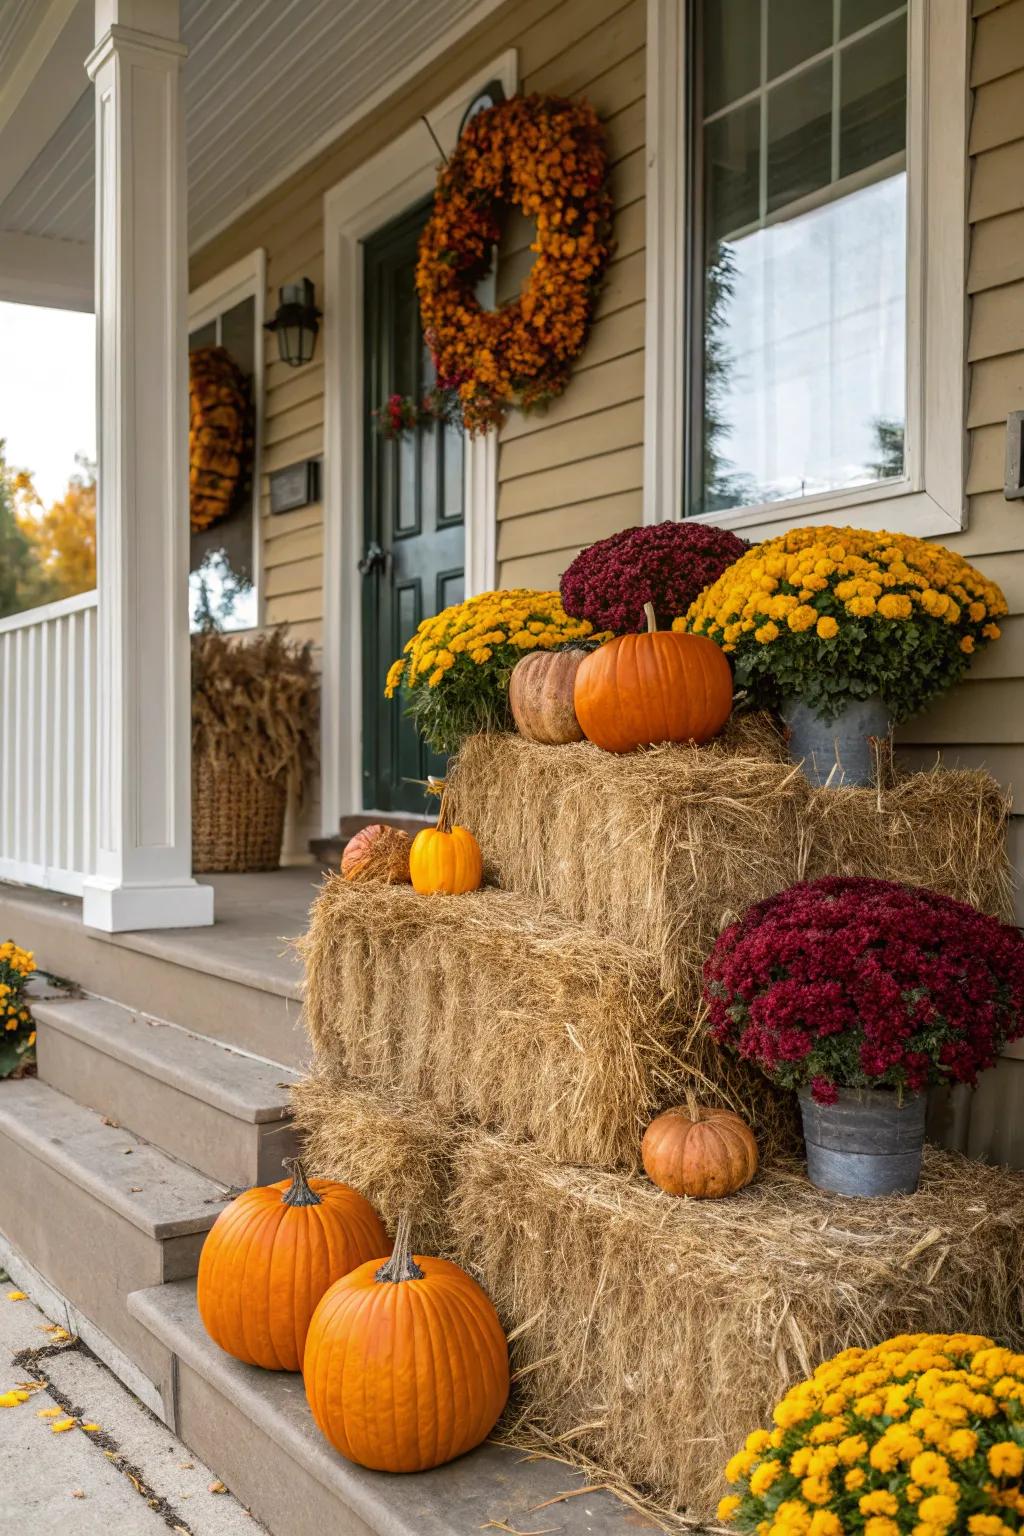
296 322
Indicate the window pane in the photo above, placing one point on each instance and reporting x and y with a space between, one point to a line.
238 333
873 98
206 336
855 14
731 158
797 30
804 352
800 135
731 31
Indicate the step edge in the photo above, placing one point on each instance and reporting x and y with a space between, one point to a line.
93 1185
69 1016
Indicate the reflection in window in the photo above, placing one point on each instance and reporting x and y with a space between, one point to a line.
222 594
801 160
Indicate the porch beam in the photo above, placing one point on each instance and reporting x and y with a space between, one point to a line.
143 876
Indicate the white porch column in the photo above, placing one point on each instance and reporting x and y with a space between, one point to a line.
143 873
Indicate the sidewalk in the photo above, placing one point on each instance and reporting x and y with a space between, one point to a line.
126 1476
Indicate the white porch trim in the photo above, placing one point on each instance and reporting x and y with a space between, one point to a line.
379 190
931 499
56 274
143 866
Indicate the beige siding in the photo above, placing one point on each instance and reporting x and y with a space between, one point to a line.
556 494
982 722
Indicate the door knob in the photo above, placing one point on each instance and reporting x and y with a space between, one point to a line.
375 559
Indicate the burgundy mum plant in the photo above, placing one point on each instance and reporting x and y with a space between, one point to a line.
667 564
865 983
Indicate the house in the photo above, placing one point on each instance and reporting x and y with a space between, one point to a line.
815 313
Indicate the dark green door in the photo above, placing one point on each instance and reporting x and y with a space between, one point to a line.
414 542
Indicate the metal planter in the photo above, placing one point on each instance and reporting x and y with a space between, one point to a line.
841 747
868 1143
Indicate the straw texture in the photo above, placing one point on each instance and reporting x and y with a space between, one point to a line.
520 1022
652 1333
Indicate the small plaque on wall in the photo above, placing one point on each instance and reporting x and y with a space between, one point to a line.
295 486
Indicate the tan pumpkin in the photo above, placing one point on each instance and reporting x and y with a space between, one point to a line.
406 1364
270 1256
378 854
445 860
704 1153
662 686
540 695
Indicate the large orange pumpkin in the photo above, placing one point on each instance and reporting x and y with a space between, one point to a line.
705 1153
269 1258
540 696
406 1364
661 686
445 860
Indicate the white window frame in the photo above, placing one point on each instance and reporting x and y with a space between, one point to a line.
930 499
244 279
400 174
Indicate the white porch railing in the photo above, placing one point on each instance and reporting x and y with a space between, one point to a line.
48 744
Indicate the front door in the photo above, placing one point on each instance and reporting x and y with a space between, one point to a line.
414 543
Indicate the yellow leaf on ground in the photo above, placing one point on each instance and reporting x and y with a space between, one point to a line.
90 1428
17 1295
60 1425
48 1413
217 1487
12 1399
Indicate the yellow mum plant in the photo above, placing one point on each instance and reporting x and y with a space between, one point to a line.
831 615
455 669
17 1031
921 1435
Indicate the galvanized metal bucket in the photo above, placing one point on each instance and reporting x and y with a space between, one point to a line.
868 1143
836 751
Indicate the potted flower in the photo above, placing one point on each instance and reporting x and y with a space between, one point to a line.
924 1433
667 565
254 724
455 670
860 994
847 631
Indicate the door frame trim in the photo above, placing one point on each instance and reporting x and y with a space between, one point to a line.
403 172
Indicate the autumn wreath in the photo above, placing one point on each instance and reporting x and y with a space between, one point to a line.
546 156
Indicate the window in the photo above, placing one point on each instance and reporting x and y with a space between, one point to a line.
799 143
806 154
224 559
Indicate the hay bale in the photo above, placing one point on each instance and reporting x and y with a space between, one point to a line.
662 848
654 1334
658 848
398 1153
944 828
543 1031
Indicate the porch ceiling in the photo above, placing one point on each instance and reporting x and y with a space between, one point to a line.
265 82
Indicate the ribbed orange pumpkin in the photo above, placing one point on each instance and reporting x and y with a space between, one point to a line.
540 696
378 854
445 861
406 1364
269 1258
705 1153
662 686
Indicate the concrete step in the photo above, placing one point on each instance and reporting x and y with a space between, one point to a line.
98 1213
224 1113
237 981
255 1430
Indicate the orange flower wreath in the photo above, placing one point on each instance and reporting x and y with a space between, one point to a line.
545 155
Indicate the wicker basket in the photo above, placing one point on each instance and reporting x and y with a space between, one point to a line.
237 818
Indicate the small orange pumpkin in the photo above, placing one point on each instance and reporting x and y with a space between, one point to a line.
705 1153
425 1374
445 860
379 854
540 696
270 1256
661 686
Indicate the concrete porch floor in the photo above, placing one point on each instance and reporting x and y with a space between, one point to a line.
256 917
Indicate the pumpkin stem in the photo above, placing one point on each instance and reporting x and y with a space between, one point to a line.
444 818
651 617
692 1107
401 1265
298 1191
